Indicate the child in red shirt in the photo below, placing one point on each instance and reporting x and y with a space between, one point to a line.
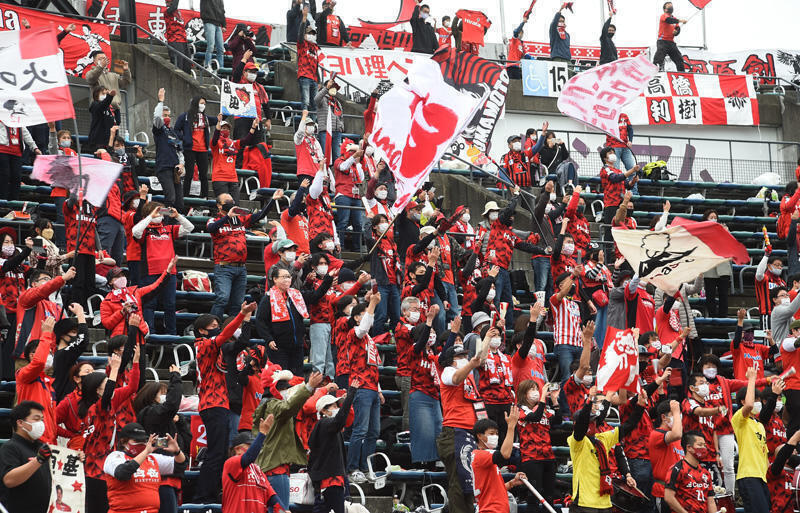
490 490
244 486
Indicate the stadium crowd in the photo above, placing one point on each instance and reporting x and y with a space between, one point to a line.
471 371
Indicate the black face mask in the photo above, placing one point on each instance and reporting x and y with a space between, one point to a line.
642 367
420 278
581 209
572 290
213 333
611 34
670 9
227 206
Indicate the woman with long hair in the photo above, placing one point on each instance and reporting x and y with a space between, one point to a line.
194 129
70 424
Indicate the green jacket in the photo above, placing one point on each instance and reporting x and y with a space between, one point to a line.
282 446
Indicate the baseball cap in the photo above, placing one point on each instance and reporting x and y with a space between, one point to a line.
284 244
245 438
325 401
251 65
114 272
133 431
513 138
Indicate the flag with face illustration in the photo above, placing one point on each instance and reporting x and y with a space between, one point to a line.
619 362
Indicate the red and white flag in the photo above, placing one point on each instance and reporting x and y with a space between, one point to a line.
619 362
415 122
700 4
33 84
678 254
597 96
95 179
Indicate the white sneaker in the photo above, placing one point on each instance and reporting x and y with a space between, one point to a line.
358 477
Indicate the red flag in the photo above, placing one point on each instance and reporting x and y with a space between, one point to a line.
619 362
612 9
35 88
700 4
528 12
94 178
403 16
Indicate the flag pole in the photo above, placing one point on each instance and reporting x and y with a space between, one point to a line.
539 496
80 190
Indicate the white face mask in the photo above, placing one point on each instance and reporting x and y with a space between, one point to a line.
37 429
532 353
332 91
424 15
656 344
553 196
381 195
329 245
493 216
587 380
778 406
413 317
237 333
290 256
121 282
251 77
703 390
201 107
465 218
776 270
322 270
333 412
756 407
460 363
135 203
101 97
161 398
8 250
516 146
495 342
533 396
491 441
670 421
490 295
710 372
49 363
369 151
311 38
612 158
158 219
785 301
446 24
382 227
310 130
568 249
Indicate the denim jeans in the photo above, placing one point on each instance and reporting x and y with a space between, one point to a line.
217 426
331 499
366 428
600 326
425 420
230 283
565 354
542 278
233 426
173 192
452 298
112 237
503 294
642 472
165 296
336 139
168 499
389 307
439 325
349 217
214 43
308 88
321 356
280 483
626 161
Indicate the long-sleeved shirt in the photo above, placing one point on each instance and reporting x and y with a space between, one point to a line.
98 76
781 317
424 36
559 48
608 50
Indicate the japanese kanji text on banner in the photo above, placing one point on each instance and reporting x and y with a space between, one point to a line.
34 85
68 489
365 69
238 100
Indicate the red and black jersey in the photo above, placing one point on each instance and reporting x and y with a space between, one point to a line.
624 124
776 434
320 215
323 310
576 394
307 59
501 245
781 491
424 376
405 347
518 167
364 359
88 220
12 283
212 389
716 398
612 190
561 264
496 382
339 333
230 241
636 441
412 257
666 27
387 256
158 248
747 355
534 437
763 288
133 251
704 425
425 297
693 486
176 27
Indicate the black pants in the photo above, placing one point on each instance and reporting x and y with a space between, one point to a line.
173 192
496 412
7 358
792 410
83 284
608 218
179 61
209 482
542 475
717 290
10 176
201 159
288 357
755 494
96 495
664 48
332 498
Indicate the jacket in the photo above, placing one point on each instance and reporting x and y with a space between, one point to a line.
284 333
282 446
111 307
238 45
33 306
112 81
26 137
168 143
294 16
321 21
34 385
321 101
608 50
685 310
213 11
184 128
326 457
559 48
102 119
424 37
158 418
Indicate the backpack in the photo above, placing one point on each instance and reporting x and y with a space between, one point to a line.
196 281
656 171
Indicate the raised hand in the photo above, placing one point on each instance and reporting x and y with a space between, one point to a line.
266 424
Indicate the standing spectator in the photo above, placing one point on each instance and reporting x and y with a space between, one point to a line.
665 46
11 146
386 270
246 72
100 75
193 128
294 16
614 183
169 157
423 35
783 311
516 50
622 146
443 35
516 164
328 104
318 206
110 230
104 116
348 177
748 353
496 384
157 242
559 37
33 384
176 37
751 477
717 281
243 482
665 448
332 30
213 408
123 299
60 143
227 231
307 62
133 203
212 13
224 179
608 50
487 459
24 462
240 42
307 148
539 411
84 244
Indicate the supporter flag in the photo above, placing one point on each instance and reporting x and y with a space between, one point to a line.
403 16
33 84
619 362
680 253
67 493
415 122
238 100
528 12
95 178
700 4
597 96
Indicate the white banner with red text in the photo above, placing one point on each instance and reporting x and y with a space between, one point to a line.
580 54
776 63
67 493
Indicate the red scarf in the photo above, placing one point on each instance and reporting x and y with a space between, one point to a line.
280 309
334 106
605 470
562 31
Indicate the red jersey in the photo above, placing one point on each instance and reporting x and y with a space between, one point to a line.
405 347
12 283
296 228
212 389
518 166
339 333
176 27
613 188
561 264
776 435
716 398
490 489
34 385
307 59
567 326
457 400
613 142
443 35
516 49
576 394
496 384
781 491
364 359
133 252
223 159
424 376
749 354
534 437
244 490
347 181
320 215
704 425
251 397
666 30
763 288
473 26
663 457
530 366
645 308
502 242
158 247
692 486
139 494
578 226
230 241
636 442
88 227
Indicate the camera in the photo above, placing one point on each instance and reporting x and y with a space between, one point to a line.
162 442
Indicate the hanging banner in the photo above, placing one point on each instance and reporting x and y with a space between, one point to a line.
784 64
77 47
237 100
384 39
543 78
582 54
67 493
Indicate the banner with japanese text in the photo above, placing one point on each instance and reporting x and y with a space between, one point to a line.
237 100
77 46
383 39
67 493
784 64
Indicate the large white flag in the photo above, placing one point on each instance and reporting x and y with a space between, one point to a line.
238 100
33 83
415 122
597 96
95 179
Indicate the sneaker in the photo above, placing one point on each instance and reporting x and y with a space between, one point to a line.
358 477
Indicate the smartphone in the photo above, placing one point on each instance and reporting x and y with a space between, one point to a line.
162 442
239 211
164 211
555 386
